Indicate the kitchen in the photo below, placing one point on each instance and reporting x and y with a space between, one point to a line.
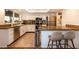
16 23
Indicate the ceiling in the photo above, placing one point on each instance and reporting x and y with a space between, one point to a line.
24 11
55 10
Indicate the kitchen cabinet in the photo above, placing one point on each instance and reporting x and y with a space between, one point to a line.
6 37
52 20
27 28
30 28
16 32
23 29
11 35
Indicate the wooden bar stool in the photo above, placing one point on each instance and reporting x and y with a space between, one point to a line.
56 38
69 36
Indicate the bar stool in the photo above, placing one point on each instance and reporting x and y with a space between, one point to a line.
56 38
69 36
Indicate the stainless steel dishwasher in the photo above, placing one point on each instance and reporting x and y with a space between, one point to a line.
16 32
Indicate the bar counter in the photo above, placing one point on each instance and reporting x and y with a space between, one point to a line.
45 31
8 26
43 28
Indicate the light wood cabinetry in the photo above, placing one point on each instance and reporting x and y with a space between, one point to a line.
52 18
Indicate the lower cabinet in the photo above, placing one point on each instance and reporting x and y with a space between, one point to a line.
30 28
6 37
11 35
23 29
27 28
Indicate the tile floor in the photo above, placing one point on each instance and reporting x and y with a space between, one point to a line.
26 41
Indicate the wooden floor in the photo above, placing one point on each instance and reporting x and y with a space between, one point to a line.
26 41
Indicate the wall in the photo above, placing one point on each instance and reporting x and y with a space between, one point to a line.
32 16
70 16
2 16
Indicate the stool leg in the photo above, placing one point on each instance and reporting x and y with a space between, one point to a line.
66 44
60 43
72 43
57 44
49 43
52 44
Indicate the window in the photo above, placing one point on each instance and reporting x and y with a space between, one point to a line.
7 19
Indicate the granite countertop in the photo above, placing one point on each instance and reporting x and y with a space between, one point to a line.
58 28
8 26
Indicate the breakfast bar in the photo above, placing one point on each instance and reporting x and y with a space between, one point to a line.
48 30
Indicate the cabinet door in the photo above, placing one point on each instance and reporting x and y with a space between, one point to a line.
52 21
30 28
11 36
33 28
52 18
23 29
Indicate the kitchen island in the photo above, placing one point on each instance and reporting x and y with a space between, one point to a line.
6 35
9 33
48 30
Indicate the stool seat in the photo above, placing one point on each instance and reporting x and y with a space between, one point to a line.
55 37
69 36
